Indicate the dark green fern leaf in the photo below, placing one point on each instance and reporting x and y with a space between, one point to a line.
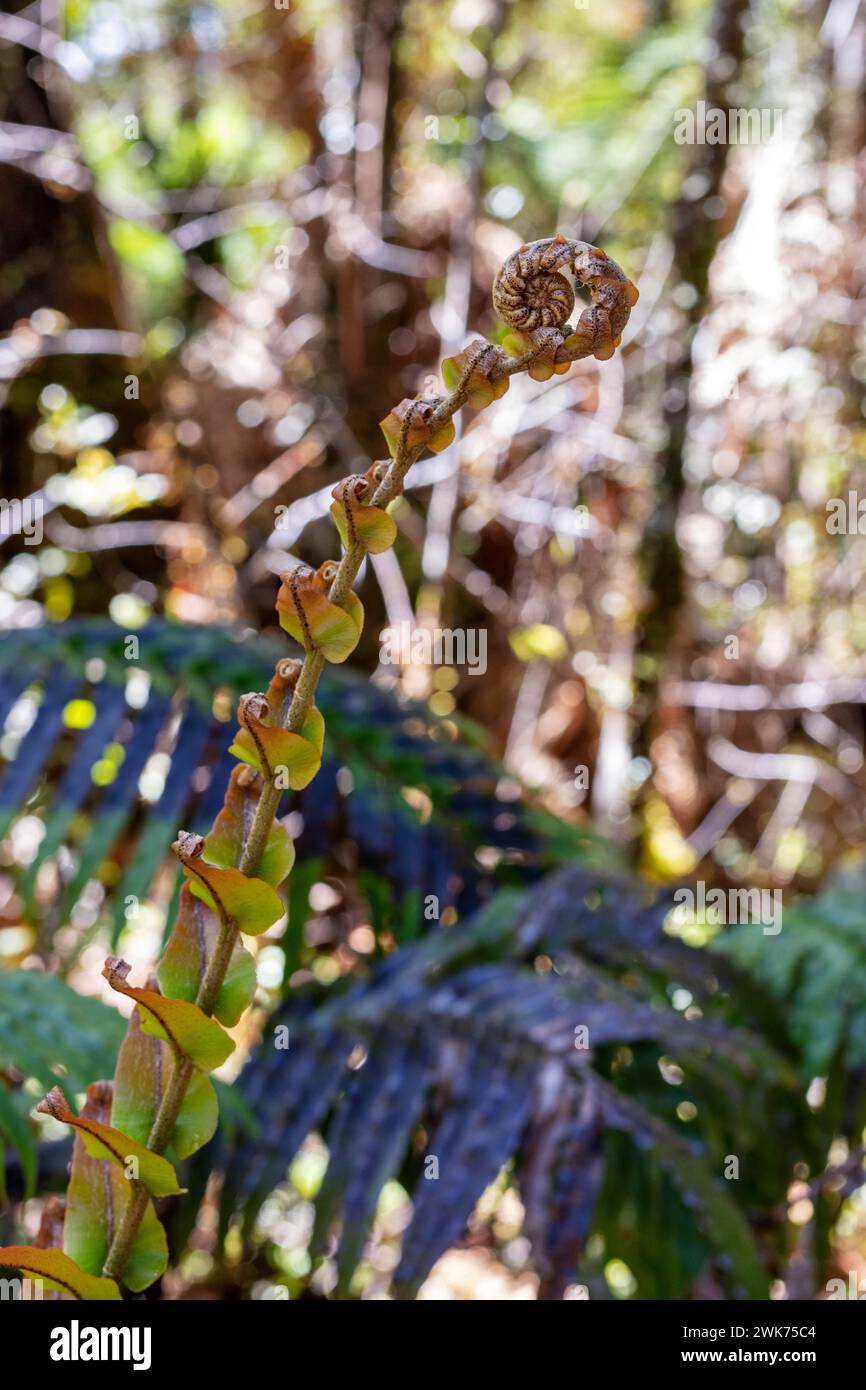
371 1131
562 1172
477 1034
816 966
83 782
51 1035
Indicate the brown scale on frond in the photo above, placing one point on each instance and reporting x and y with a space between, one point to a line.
325 576
377 472
50 1233
301 576
354 491
187 846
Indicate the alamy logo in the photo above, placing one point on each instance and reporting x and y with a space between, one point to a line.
75 1343
846 516
405 645
721 907
856 1288
738 126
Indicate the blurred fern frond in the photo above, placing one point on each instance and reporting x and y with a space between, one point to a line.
85 712
50 1035
465 1054
816 969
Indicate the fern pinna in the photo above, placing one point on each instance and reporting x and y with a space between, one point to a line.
161 1099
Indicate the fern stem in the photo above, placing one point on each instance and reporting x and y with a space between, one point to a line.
158 1141
299 709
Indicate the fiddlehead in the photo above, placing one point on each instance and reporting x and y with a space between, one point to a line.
532 295
529 292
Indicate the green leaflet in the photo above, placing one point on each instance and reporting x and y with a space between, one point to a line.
249 903
174 1020
419 432
481 391
96 1199
373 526
198 1118
273 751
145 1067
307 614
190 947
104 1141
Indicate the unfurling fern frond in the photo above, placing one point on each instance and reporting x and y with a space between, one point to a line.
160 1101
526 1038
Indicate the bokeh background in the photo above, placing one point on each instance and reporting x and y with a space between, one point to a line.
235 234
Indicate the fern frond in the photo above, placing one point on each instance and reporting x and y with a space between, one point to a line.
476 1036
816 967
84 782
51 1035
